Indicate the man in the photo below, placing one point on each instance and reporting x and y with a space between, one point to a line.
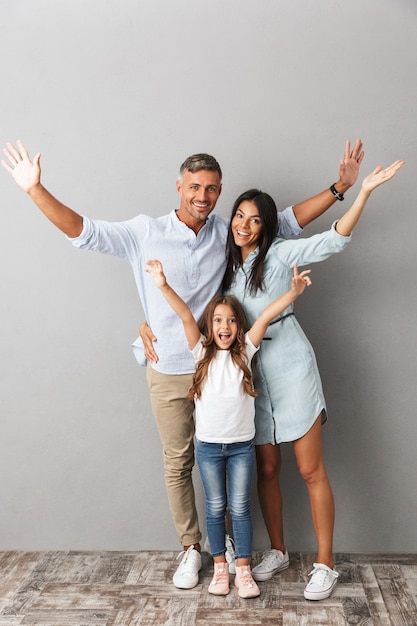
190 242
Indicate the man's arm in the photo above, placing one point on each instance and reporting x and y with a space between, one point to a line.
308 210
27 175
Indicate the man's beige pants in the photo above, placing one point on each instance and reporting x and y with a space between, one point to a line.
175 418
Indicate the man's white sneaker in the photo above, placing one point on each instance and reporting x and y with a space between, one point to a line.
186 576
321 584
273 561
230 554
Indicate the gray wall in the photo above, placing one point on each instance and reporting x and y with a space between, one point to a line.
115 94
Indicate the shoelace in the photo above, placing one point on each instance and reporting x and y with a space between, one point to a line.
269 559
320 574
186 555
220 577
181 554
246 579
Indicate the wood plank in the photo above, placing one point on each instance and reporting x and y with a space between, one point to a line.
139 564
68 596
134 612
48 564
67 618
248 616
160 591
314 614
76 567
15 568
377 608
159 568
400 604
112 567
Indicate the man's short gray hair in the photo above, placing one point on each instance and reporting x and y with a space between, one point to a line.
198 162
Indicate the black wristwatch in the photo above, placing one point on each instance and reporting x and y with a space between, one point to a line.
336 194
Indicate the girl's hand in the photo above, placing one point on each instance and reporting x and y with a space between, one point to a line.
300 281
380 176
157 272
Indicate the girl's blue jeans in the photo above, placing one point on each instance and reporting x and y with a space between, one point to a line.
226 471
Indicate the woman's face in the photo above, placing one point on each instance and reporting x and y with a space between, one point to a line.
246 227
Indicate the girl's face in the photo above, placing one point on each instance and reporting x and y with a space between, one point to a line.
246 227
224 326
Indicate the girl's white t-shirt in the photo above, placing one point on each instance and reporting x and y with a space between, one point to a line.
224 413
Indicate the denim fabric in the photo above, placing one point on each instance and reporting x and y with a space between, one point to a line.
226 472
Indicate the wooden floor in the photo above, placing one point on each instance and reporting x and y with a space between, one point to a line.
129 588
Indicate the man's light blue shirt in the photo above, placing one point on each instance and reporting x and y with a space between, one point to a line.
194 265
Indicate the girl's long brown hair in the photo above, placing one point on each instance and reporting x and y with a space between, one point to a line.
237 350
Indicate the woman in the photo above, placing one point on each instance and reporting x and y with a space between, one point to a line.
290 405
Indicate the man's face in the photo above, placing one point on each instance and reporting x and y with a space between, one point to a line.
199 192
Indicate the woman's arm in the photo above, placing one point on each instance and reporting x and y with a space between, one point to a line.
260 326
378 177
307 211
192 332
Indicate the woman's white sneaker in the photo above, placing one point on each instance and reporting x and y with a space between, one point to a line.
322 582
273 561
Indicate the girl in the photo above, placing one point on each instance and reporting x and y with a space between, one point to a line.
290 405
224 412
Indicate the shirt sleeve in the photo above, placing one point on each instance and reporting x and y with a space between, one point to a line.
198 350
287 224
120 239
250 348
311 249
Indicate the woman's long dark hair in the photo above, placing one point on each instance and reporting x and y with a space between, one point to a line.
268 213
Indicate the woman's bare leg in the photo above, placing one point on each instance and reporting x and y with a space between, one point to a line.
309 454
268 461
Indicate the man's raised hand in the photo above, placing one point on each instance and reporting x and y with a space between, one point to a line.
26 173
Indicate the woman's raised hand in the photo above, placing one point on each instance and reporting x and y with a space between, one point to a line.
381 175
300 281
